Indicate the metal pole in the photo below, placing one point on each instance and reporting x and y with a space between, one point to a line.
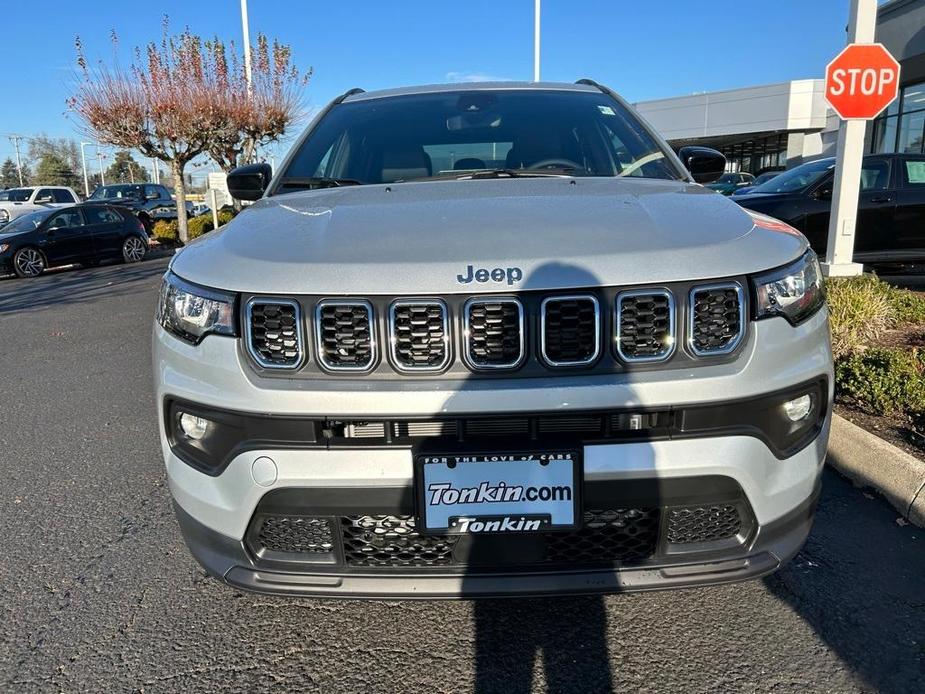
99 158
849 156
247 45
213 198
83 161
16 139
536 41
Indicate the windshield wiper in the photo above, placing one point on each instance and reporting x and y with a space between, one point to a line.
492 173
317 182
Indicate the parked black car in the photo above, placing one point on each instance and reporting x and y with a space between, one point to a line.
148 201
891 206
86 234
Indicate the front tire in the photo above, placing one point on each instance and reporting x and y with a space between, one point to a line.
28 262
134 249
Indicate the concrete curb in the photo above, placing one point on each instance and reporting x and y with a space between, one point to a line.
870 461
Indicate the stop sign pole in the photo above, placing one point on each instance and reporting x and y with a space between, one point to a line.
857 92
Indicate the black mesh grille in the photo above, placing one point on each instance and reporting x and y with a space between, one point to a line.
495 338
392 541
345 335
703 523
419 336
570 330
717 319
645 326
621 535
296 535
274 334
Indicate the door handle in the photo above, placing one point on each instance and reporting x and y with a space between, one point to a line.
882 198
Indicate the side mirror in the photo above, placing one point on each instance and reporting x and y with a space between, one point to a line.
249 182
705 164
823 193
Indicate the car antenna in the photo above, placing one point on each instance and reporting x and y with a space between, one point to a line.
349 92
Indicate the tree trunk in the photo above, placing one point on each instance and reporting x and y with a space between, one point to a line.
179 192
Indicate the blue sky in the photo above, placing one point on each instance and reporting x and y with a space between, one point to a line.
643 50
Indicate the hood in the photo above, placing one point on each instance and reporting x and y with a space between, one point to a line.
499 234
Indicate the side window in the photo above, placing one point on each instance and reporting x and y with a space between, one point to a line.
60 195
165 194
43 193
875 175
66 220
102 215
913 172
152 191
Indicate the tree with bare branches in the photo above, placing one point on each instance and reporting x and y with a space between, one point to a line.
181 98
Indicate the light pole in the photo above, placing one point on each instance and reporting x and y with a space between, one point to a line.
99 158
83 161
15 139
247 45
536 41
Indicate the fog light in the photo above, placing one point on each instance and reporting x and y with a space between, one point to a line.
193 427
798 408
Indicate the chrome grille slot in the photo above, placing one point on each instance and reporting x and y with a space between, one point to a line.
274 337
365 430
717 319
419 337
570 330
494 336
413 429
565 425
645 325
497 427
345 334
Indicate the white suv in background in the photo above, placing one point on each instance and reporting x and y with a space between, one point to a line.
15 202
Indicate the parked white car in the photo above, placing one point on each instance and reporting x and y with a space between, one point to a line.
15 202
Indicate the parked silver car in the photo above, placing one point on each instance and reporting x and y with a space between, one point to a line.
491 339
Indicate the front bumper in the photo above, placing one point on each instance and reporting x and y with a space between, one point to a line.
216 511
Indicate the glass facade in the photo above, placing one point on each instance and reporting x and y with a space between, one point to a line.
901 128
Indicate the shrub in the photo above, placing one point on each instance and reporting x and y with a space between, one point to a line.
200 225
883 380
225 216
909 307
859 311
166 231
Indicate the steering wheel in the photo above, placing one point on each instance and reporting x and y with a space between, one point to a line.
555 164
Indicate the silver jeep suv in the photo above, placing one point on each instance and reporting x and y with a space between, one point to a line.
491 339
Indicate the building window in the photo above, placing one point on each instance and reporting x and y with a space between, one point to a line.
902 127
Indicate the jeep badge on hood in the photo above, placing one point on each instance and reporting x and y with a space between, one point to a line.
482 275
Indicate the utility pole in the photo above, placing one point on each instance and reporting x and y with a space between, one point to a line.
15 140
247 45
849 155
536 40
83 161
99 158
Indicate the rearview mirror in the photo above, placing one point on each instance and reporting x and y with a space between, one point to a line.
705 164
250 181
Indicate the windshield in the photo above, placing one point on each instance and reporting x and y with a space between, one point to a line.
116 192
15 194
796 179
26 222
420 136
765 177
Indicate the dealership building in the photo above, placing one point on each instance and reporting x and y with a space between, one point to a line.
785 124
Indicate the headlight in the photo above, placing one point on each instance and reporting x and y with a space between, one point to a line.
794 292
4 216
191 312
4 247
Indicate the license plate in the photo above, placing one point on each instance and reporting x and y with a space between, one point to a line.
479 493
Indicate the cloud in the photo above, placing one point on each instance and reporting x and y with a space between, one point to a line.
474 77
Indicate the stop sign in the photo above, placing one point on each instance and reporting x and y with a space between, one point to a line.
861 81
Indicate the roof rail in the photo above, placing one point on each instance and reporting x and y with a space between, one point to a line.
349 92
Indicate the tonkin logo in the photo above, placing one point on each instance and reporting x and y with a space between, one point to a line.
483 275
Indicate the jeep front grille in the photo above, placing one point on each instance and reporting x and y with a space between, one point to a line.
419 335
273 333
717 318
703 523
346 334
494 336
570 330
295 534
645 325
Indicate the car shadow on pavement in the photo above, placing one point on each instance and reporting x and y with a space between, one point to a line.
859 582
61 286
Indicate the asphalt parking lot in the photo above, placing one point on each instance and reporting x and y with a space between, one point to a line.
98 593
